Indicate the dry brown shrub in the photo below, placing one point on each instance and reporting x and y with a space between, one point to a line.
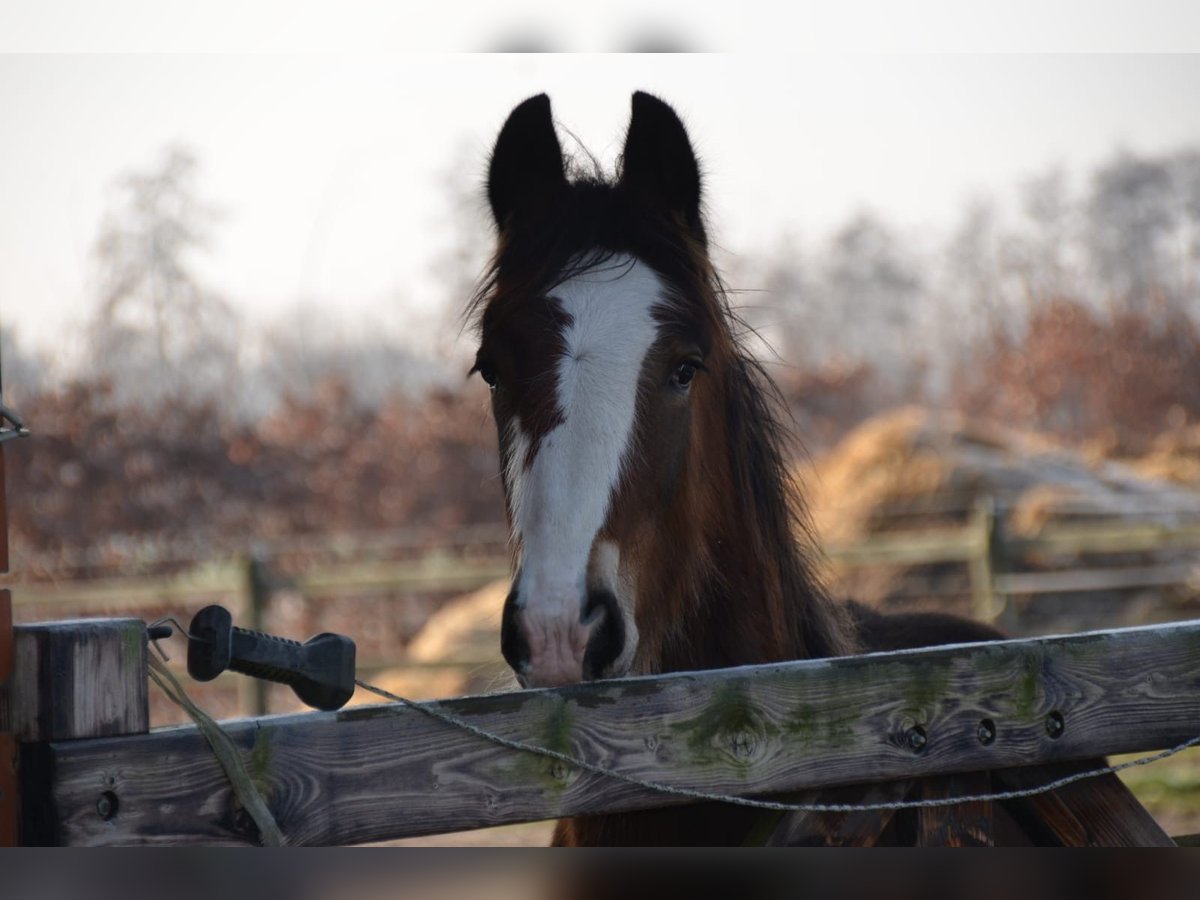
1173 456
110 480
878 465
1117 380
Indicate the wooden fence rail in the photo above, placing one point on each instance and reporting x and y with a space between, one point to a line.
435 572
989 551
991 555
384 772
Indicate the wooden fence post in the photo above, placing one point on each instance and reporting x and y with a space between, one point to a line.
252 692
9 785
79 678
8 743
984 606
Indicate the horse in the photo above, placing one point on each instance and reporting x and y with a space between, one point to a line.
655 525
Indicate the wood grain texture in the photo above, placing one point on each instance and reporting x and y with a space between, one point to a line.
1101 812
379 773
78 678
961 825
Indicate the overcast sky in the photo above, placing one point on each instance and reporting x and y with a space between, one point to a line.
329 169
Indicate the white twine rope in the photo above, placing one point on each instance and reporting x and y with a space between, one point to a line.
434 711
227 754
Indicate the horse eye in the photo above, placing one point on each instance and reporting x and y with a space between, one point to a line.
683 374
488 373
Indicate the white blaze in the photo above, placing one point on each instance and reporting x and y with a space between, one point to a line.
560 502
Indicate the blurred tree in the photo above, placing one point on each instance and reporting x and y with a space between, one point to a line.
967 301
1043 256
852 306
158 332
1185 187
972 270
458 266
22 371
309 346
1131 211
871 294
780 304
1082 374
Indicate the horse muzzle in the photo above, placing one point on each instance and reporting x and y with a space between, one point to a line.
557 644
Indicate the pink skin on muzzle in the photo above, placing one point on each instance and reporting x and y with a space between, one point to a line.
557 646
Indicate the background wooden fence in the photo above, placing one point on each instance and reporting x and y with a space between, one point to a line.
992 556
996 561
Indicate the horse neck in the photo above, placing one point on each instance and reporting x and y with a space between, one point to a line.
749 590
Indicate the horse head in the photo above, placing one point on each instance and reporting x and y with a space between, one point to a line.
602 344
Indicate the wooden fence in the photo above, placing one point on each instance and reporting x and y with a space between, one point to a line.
363 565
92 774
993 557
8 745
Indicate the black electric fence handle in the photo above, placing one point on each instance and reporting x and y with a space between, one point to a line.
320 671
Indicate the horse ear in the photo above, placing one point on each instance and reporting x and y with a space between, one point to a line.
526 168
658 164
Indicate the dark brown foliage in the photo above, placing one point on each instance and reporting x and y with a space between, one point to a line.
102 477
1079 374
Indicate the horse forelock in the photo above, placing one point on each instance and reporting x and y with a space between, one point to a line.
595 221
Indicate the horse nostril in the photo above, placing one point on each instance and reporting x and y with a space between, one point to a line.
608 638
513 644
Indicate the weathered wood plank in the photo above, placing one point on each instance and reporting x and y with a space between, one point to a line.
1099 812
376 773
76 678
82 678
961 825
